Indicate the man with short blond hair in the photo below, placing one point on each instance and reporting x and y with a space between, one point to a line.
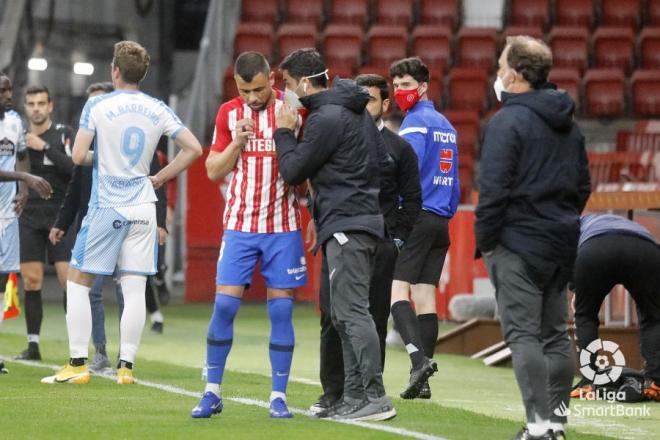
533 185
120 226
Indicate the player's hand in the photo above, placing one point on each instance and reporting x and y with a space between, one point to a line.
244 131
38 185
310 235
286 117
34 142
156 182
55 235
19 202
162 236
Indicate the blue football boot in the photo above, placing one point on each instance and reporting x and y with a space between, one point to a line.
209 405
279 410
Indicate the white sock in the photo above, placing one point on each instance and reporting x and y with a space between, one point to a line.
33 338
212 387
275 394
78 319
538 429
134 316
156 317
556 427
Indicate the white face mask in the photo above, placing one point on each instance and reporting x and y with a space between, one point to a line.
499 88
291 97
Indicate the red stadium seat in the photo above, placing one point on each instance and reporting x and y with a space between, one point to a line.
653 12
570 47
342 72
399 12
467 89
383 71
477 47
529 12
466 123
532 31
620 167
436 86
386 43
613 47
646 93
260 10
292 36
342 45
574 13
620 13
254 36
433 45
445 13
567 79
304 11
604 92
229 89
649 48
349 11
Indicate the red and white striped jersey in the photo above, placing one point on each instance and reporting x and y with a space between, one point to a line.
257 198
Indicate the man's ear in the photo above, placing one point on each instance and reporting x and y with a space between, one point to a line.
271 79
386 105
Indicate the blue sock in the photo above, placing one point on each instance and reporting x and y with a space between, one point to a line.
220 335
281 341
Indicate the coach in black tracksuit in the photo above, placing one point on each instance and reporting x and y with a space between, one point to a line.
340 157
613 250
533 185
400 201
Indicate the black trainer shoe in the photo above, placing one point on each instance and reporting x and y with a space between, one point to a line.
30 354
418 377
340 406
325 402
525 435
425 391
368 410
157 327
3 370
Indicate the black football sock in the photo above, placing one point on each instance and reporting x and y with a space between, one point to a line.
428 328
406 323
34 314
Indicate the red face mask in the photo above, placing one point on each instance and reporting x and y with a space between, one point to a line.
406 99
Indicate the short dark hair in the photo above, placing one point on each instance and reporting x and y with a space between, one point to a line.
250 64
305 62
33 90
373 80
531 58
413 66
105 87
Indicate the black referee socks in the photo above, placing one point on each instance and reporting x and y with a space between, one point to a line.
34 311
406 323
428 330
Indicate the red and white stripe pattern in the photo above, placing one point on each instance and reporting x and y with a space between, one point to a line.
257 199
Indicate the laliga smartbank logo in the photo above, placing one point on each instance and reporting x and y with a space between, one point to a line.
609 361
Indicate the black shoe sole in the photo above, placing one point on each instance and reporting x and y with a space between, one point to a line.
414 388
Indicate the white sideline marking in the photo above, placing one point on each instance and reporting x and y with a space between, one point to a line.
253 402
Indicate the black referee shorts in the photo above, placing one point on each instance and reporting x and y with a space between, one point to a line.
35 224
423 254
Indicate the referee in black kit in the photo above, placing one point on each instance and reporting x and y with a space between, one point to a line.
49 146
400 200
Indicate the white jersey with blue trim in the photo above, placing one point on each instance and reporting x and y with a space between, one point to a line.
127 127
12 142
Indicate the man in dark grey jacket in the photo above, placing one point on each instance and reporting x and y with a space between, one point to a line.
533 185
339 154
